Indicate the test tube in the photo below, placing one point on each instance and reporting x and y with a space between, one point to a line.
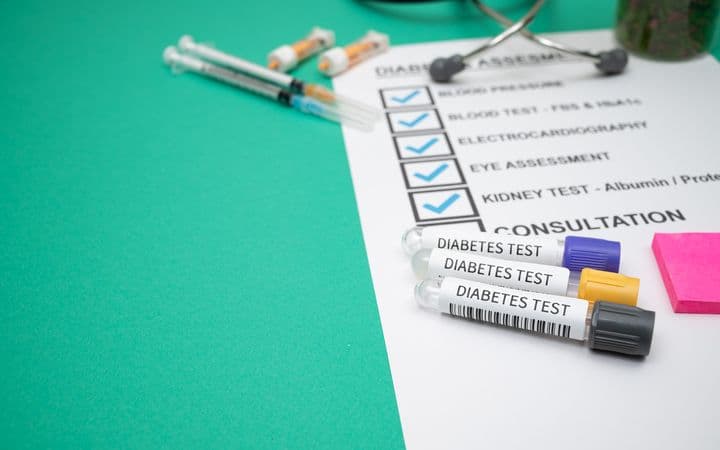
606 326
590 285
339 59
573 252
287 57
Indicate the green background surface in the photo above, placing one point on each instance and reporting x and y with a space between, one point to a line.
182 263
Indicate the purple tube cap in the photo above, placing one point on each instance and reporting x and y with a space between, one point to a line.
599 254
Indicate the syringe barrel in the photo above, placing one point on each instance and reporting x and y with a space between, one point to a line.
181 61
187 44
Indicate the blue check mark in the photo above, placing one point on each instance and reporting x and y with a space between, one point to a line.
407 98
439 209
420 150
415 121
432 175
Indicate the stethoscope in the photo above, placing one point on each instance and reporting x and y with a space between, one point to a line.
609 62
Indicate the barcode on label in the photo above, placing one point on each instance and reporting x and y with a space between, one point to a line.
510 320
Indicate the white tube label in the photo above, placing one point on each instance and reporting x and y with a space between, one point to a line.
530 311
518 248
500 272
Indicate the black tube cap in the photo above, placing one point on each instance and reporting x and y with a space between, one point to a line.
621 329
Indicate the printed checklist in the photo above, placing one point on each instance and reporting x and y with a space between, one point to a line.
436 186
534 146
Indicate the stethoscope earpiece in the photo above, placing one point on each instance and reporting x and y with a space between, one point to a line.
609 62
612 62
443 69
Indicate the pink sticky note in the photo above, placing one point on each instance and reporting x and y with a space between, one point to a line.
690 267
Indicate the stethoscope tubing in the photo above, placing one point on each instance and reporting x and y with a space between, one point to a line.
609 62
504 21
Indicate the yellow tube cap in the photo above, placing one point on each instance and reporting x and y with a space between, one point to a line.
608 286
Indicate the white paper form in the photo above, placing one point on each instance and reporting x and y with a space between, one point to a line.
531 142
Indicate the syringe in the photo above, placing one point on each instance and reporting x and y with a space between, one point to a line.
180 62
350 108
605 326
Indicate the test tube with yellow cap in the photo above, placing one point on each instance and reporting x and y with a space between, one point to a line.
287 57
339 59
590 285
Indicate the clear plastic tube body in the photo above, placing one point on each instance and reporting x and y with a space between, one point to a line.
353 112
573 252
351 107
187 44
180 62
357 53
311 106
339 59
515 274
604 326
520 248
548 314
589 284
287 57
